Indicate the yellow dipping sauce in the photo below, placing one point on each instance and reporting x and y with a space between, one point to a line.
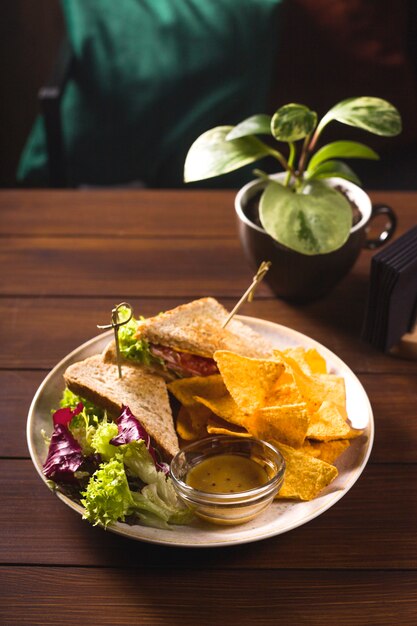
226 473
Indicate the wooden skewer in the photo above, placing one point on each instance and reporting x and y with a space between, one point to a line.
250 291
116 322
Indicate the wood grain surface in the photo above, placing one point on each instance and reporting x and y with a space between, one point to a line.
66 258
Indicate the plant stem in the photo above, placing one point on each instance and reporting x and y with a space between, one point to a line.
314 140
303 157
310 143
323 122
280 157
291 158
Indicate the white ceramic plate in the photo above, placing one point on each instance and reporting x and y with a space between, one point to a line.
281 516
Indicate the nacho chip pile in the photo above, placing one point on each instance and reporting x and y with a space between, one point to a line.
289 400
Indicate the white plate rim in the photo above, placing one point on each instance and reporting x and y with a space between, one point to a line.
215 536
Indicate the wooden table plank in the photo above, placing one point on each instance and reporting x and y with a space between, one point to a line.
117 213
122 267
124 597
128 267
39 332
141 213
372 526
18 390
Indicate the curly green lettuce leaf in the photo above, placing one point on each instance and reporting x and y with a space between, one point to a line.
131 347
108 498
163 493
83 431
139 461
101 439
161 500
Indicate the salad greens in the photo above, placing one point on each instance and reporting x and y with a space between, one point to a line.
83 424
109 498
65 456
133 348
100 442
110 467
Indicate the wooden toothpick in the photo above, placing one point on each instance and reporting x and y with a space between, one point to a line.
249 293
116 322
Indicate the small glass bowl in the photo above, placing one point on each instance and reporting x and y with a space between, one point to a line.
228 508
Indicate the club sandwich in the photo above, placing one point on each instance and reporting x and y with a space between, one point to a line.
182 341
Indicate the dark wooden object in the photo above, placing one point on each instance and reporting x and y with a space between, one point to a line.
66 258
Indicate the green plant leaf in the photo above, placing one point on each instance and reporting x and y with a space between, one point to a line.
315 221
341 150
254 125
372 114
211 154
328 169
293 122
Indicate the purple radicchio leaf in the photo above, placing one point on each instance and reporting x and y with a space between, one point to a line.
130 429
64 456
65 415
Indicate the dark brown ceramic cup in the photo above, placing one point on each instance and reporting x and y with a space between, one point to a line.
302 278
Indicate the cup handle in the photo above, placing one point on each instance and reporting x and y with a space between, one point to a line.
391 225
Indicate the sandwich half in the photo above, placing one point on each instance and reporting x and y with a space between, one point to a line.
143 392
181 342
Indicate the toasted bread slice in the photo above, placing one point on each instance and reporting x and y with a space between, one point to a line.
144 393
196 327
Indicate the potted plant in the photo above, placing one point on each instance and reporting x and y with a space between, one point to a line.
302 219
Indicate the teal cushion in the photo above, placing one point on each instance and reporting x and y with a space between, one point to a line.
149 77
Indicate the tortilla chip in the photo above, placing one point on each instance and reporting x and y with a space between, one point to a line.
249 381
310 361
305 475
318 387
287 424
327 423
226 408
308 448
327 451
334 390
217 426
184 389
192 421
183 425
315 361
285 391
353 433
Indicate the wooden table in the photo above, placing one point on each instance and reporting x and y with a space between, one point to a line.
66 258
